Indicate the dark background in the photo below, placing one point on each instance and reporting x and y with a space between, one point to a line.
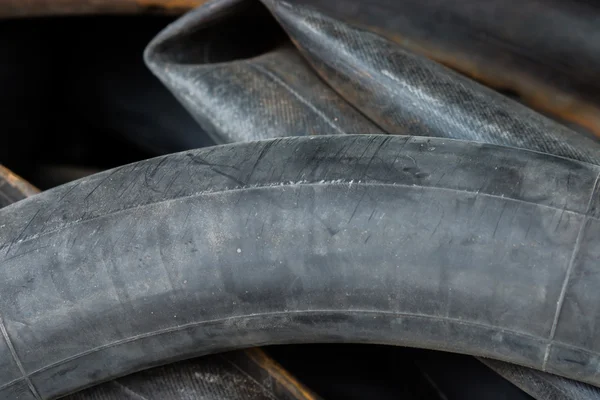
77 97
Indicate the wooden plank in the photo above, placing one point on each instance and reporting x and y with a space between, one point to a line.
34 8
13 188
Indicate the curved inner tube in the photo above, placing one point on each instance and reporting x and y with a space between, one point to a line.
422 242
399 91
249 375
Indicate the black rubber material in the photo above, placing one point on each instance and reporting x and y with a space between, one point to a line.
236 375
240 375
234 87
400 92
544 386
546 51
405 93
411 241
360 82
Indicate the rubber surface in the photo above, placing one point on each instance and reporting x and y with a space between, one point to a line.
257 86
542 385
545 51
260 86
399 91
245 375
405 93
409 241
239 375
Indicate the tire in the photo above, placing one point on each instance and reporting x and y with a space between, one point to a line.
424 242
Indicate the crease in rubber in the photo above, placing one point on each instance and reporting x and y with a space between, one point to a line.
13 352
283 313
565 285
297 95
339 182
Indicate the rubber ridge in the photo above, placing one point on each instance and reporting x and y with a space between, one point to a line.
424 242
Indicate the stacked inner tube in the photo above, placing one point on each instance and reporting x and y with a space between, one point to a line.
387 62
473 230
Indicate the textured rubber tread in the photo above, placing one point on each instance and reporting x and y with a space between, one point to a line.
423 242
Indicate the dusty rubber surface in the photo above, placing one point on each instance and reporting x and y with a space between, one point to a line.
423 242
249 374
371 55
325 75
